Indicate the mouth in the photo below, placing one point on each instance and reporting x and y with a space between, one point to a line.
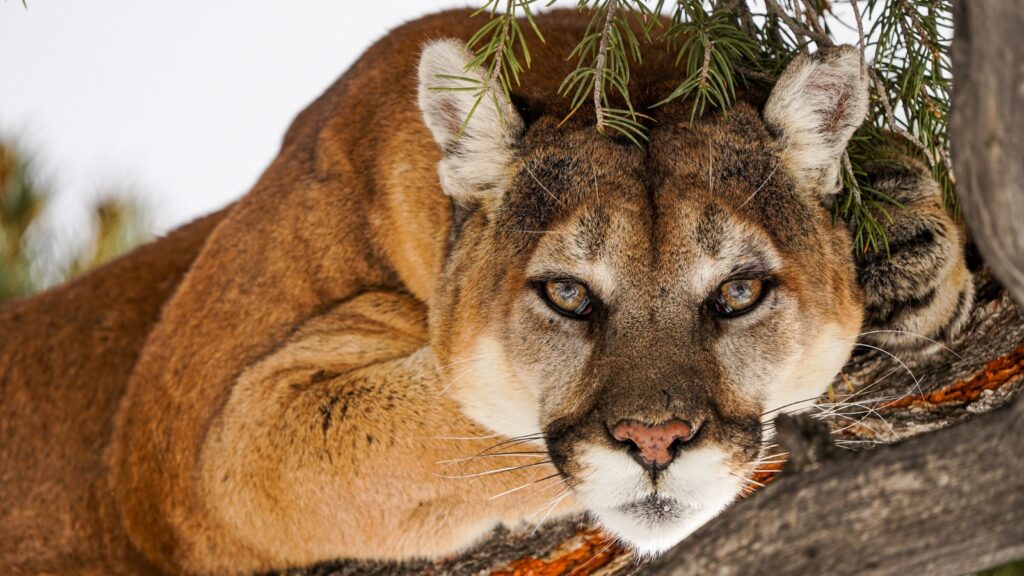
651 516
655 510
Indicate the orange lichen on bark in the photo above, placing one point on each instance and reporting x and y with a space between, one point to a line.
594 550
762 477
996 374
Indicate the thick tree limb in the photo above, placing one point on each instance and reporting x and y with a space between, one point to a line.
987 130
950 502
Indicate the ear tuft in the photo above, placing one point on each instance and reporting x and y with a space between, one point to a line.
815 107
475 162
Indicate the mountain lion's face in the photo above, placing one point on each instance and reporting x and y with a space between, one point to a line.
642 311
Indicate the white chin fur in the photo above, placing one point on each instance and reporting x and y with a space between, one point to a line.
619 493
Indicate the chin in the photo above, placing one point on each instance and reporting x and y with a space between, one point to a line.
650 518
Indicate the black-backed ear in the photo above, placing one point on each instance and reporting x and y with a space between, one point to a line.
817 104
475 166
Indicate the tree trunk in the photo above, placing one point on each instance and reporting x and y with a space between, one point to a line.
987 130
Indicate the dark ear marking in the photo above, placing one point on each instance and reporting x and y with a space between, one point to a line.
529 110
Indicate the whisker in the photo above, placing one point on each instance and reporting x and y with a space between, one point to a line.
493 472
541 184
771 461
592 558
921 336
466 437
872 385
711 168
456 379
552 500
518 440
438 369
527 485
542 231
917 381
763 184
811 399
531 454
486 451
745 479
550 508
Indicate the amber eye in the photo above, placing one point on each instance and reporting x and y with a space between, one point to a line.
568 297
738 296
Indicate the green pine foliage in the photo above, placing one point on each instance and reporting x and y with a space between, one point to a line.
21 203
27 250
720 44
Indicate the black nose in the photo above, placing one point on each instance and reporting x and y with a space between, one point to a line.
653 446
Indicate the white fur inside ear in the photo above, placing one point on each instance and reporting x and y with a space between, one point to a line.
475 162
815 107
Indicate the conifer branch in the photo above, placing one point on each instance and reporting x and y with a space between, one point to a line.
890 118
813 17
797 27
602 55
862 41
719 43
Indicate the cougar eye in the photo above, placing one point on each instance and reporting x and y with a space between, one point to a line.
735 297
568 297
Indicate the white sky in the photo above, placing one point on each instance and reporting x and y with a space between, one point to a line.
184 102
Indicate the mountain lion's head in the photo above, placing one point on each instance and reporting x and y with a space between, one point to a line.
643 310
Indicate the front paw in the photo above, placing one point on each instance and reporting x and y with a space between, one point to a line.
919 296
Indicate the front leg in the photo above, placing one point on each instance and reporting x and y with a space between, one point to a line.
343 444
919 296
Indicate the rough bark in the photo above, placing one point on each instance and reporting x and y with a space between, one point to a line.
987 130
950 502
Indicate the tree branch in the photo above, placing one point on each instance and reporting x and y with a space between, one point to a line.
599 65
797 28
987 131
949 502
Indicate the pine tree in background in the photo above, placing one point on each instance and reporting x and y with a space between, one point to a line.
21 203
724 43
118 225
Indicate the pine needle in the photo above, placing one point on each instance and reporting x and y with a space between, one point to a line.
721 43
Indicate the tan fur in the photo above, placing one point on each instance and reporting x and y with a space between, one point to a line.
308 375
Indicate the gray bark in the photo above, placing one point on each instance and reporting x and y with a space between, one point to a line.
950 502
987 130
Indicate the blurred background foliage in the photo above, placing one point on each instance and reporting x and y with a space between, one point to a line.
33 256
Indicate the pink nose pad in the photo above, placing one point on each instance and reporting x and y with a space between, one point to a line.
653 442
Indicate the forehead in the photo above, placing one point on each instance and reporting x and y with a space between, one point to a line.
698 202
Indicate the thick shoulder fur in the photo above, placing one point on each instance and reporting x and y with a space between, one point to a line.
65 359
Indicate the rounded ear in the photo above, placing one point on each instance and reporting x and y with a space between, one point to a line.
817 104
476 153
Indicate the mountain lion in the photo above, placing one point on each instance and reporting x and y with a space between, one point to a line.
411 331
